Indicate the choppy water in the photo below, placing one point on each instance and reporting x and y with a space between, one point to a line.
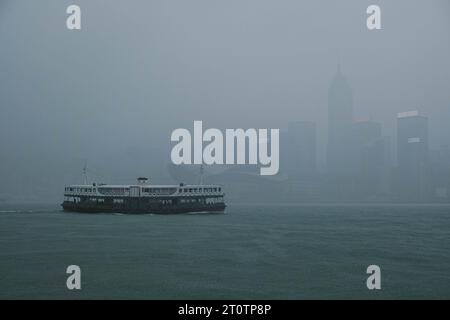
251 252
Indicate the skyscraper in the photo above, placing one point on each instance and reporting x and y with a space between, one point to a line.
340 116
369 148
298 161
440 164
339 147
412 156
301 137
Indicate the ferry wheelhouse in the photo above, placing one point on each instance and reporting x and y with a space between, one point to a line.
144 198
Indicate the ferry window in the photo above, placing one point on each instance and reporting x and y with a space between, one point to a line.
220 189
190 190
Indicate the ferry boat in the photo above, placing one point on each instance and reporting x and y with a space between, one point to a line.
144 198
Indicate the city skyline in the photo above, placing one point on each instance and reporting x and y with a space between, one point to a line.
360 159
112 95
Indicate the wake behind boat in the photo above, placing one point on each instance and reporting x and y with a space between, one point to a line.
144 198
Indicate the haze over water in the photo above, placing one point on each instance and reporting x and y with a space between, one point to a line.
260 252
111 94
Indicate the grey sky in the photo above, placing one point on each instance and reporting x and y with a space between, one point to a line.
112 92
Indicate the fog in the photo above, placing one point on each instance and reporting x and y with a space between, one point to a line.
110 94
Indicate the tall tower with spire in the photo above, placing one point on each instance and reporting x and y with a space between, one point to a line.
340 117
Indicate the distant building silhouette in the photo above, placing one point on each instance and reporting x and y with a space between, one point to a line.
301 155
300 161
413 172
369 159
340 117
440 164
339 147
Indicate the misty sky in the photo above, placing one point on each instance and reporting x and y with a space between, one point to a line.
113 92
